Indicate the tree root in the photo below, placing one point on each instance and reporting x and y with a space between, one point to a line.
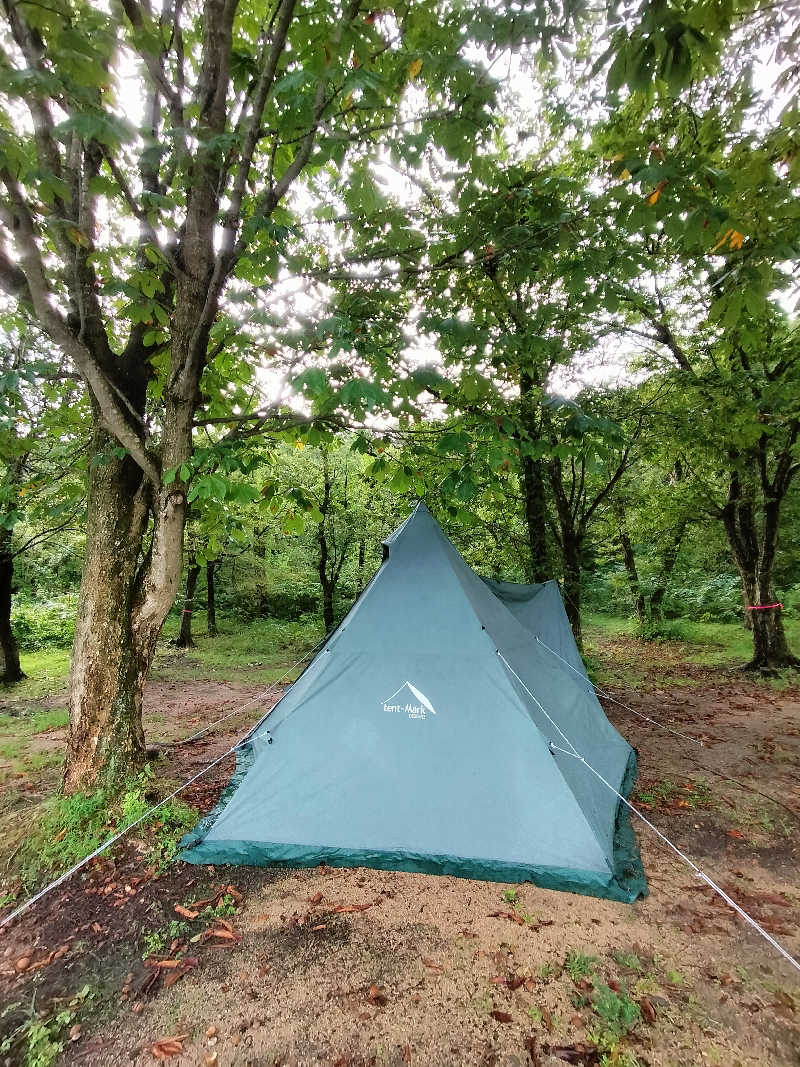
770 668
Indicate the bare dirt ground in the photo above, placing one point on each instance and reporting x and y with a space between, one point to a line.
355 967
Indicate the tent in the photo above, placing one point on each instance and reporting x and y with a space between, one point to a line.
540 609
419 739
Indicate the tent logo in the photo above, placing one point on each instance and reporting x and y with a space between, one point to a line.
413 710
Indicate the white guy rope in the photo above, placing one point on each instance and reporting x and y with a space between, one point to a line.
111 840
572 751
608 696
700 874
107 844
253 700
540 706
701 766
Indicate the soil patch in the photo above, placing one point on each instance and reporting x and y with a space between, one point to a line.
351 967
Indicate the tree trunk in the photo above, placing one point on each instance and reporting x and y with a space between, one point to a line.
754 554
770 648
327 607
571 537
10 670
572 586
126 592
668 561
361 555
533 478
109 659
185 635
633 574
748 598
535 517
326 585
211 599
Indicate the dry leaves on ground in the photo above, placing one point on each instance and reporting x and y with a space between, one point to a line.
167 1047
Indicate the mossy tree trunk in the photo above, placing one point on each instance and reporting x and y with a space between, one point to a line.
211 598
10 670
751 526
185 634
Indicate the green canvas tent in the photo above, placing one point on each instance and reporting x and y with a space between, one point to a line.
418 739
540 609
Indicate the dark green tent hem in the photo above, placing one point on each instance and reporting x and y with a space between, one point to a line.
266 854
627 884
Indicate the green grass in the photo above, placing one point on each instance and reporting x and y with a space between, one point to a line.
51 719
67 828
17 729
708 644
25 724
695 794
47 671
257 652
578 965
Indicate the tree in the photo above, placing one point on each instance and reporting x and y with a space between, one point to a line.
184 639
722 225
649 516
131 241
211 598
337 506
583 478
42 447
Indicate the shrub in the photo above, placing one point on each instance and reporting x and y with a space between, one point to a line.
662 630
43 624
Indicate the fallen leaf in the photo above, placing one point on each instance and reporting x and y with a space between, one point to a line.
433 965
167 1047
200 904
185 912
502 1016
736 833
316 899
510 915
648 1011
75 1032
179 972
